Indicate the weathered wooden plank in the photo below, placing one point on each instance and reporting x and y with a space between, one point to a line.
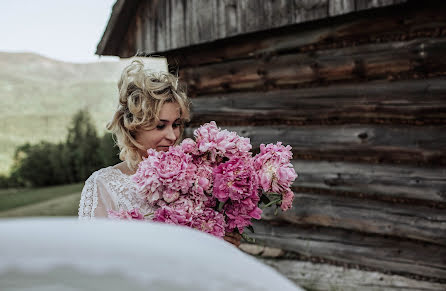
381 26
381 253
252 16
199 19
277 13
413 102
367 4
422 57
306 10
424 183
177 28
323 277
118 29
410 145
337 7
384 218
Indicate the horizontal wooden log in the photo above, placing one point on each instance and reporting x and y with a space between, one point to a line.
351 30
424 183
384 218
369 62
399 144
327 277
382 253
413 102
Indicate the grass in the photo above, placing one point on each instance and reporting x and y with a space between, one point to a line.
62 206
11 199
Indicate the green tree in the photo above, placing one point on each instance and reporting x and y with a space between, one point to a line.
108 150
83 146
33 164
75 160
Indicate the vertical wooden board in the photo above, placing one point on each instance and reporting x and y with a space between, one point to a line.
139 30
128 48
265 13
177 23
225 18
149 28
306 10
242 5
367 4
278 13
231 19
204 19
248 15
338 7
188 21
216 20
167 21
200 21
160 25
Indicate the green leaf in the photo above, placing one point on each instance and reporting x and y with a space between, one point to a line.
220 206
251 229
247 238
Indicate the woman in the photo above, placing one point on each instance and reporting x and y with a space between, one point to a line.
152 110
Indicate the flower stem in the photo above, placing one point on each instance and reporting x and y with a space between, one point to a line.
271 203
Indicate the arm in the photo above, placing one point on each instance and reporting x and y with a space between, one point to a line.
95 199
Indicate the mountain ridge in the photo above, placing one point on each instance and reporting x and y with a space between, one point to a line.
39 96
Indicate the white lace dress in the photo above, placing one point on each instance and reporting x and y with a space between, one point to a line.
109 189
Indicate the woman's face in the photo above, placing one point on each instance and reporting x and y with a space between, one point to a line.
166 132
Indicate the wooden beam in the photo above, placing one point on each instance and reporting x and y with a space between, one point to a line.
367 216
413 59
311 276
403 102
423 183
382 253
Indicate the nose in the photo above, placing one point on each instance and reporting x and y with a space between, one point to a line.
170 135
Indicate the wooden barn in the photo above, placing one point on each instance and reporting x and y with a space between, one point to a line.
357 88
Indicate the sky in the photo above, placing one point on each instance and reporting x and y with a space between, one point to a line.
66 30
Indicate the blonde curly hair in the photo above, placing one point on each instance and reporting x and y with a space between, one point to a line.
141 95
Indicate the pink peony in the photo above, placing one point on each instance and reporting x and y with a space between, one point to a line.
165 174
217 143
133 214
203 180
274 169
209 221
189 146
287 200
195 215
235 180
240 213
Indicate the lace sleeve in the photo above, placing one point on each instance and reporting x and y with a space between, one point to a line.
95 200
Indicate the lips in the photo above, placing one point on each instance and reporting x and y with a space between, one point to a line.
164 148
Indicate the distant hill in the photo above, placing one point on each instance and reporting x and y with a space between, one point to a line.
39 96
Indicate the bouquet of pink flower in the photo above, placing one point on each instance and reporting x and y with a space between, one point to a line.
214 184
